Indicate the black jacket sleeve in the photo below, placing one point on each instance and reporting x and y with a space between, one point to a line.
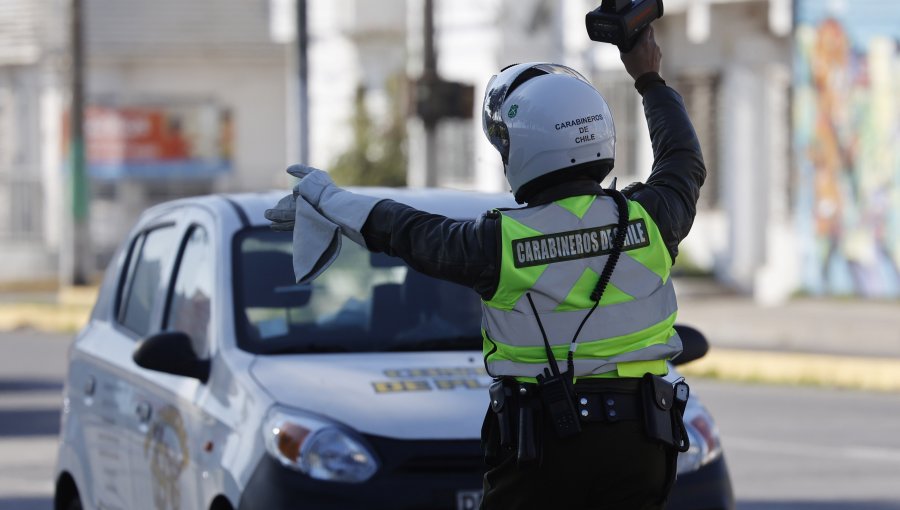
463 252
671 192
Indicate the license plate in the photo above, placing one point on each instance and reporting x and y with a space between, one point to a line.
468 500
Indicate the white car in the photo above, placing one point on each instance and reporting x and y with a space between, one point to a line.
207 379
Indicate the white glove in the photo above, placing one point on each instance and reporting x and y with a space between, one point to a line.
348 210
283 214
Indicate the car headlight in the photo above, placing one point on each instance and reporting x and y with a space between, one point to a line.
704 436
321 450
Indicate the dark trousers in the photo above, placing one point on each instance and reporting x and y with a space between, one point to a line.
608 466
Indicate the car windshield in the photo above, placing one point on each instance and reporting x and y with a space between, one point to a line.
364 302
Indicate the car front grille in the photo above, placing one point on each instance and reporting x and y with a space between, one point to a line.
428 456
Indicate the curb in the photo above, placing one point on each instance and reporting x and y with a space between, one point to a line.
65 310
46 317
849 372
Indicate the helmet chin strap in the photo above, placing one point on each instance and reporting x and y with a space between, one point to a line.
612 185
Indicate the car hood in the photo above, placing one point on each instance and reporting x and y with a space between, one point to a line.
435 395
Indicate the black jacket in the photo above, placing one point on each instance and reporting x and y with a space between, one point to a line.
468 252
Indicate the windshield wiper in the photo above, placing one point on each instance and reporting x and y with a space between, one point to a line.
308 349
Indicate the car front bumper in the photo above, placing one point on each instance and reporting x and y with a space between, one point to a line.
413 475
430 475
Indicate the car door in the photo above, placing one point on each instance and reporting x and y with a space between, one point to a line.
101 367
168 456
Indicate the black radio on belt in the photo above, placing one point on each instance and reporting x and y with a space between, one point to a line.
559 402
620 21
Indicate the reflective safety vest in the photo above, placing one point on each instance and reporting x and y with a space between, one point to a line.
556 253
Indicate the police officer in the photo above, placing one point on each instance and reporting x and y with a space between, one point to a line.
576 291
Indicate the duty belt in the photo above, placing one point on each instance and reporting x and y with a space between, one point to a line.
597 400
608 400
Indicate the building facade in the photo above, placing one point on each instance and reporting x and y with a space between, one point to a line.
223 73
181 98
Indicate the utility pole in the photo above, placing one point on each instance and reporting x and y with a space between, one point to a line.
429 79
78 270
303 82
436 98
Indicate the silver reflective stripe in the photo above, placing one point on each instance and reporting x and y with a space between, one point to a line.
549 218
584 367
556 281
553 285
519 328
602 212
654 300
630 276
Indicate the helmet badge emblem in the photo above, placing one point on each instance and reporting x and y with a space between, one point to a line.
513 110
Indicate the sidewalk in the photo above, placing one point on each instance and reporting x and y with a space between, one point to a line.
65 311
841 342
851 343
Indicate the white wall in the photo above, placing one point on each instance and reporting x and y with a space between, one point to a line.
254 90
753 64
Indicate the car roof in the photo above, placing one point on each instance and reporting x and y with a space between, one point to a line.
451 203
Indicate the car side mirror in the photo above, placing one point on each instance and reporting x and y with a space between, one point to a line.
171 352
693 342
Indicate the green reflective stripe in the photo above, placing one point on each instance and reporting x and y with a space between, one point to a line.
639 368
552 287
631 327
519 327
634 278
577 205
530 364
546 218
579 297
512 277
658 260
613 295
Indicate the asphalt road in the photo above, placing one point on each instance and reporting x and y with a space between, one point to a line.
788 448
792 448
32 368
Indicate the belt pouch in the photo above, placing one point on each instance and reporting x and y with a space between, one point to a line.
658 399
528 436
500 395
682 393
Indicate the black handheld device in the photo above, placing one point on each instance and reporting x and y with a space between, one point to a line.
620 21
559 402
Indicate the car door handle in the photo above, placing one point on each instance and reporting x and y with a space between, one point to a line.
143 412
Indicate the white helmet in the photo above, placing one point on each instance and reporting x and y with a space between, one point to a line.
543 118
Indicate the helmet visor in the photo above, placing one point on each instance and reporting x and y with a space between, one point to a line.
500 87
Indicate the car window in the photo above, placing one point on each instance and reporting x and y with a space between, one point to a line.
363 303
190 307
151 257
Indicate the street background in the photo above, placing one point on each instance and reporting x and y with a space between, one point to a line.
797 434
791 269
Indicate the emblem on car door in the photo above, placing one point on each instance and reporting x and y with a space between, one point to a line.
165 446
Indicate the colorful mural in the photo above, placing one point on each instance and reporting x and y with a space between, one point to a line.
846 127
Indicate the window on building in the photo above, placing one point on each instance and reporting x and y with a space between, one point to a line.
21 194
618 90
191 305
148 264
455 153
